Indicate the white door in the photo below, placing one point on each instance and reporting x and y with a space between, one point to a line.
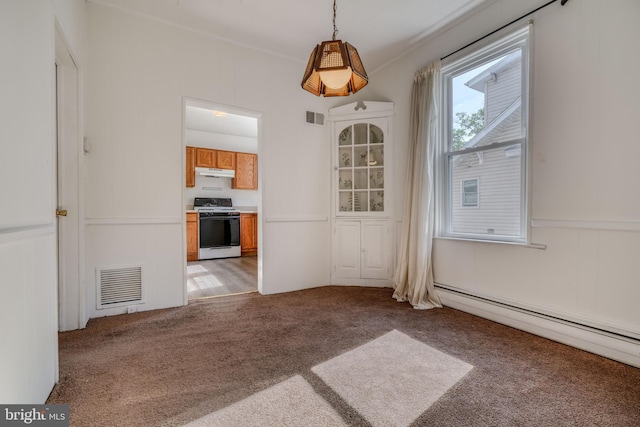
375 249
346 249
70 294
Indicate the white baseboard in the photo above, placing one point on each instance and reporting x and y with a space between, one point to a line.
374 283
609 345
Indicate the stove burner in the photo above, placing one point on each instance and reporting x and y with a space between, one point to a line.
213 204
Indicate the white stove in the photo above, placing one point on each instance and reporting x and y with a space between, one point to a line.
219 228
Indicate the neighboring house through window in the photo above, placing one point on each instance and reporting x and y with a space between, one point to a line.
470 192
485 122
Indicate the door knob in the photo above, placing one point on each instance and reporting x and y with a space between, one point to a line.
61 212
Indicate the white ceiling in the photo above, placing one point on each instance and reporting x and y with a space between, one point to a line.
381 30
209 119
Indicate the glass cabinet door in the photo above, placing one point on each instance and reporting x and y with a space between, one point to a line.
360 166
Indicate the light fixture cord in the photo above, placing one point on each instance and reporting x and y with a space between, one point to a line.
335 30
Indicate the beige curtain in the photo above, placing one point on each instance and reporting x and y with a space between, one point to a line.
413 278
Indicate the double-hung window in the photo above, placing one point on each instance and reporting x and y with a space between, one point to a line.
484 124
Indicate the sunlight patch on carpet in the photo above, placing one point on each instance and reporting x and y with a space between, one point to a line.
393 379
288 403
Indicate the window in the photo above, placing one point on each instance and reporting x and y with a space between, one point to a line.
484 139
470 192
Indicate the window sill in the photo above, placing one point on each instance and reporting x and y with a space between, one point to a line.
496 242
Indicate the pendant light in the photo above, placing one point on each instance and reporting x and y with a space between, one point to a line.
334 68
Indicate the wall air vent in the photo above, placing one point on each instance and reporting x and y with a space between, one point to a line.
119 286
314 118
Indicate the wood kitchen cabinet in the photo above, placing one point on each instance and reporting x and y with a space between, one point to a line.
205 158
249 233
225 159
246 172
191 167
192 236
244 164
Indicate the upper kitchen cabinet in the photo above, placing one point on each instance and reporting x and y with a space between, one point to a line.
225 159
191 167
206 158
210 158
246 172
244 164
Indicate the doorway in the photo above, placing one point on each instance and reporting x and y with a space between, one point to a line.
220 136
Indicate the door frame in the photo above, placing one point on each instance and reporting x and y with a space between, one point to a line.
69 187
194 102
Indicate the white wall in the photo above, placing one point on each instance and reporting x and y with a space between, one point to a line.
583 164
139 72
28 268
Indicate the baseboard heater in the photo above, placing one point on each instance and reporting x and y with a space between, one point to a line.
623 347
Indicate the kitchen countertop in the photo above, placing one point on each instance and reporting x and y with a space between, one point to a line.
247 209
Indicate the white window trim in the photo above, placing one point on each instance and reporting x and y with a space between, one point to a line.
490 48
462 193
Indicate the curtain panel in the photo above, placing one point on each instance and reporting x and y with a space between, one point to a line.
413 278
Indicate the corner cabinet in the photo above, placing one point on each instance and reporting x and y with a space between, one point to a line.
363 232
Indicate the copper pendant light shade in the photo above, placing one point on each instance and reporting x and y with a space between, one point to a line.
334 68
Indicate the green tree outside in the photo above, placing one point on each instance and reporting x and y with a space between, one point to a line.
466 126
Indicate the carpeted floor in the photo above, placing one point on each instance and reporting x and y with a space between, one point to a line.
219 360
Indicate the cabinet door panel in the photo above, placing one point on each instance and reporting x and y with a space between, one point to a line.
375 250
192 236
246 172
249 233
226 159
205 158
191 164
346 249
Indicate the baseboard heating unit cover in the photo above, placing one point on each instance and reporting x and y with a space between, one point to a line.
613 343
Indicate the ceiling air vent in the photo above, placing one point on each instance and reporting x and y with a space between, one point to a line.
315 118
119 286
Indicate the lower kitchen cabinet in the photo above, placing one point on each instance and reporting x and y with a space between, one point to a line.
361 250
192 236
249 233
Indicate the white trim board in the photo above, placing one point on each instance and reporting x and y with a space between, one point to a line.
587 225
132 221
589 339
27 232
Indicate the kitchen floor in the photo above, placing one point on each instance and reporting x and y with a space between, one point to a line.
224 276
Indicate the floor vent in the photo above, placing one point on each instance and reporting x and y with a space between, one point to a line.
119 286
315 118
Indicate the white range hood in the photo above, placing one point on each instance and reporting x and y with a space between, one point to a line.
216 173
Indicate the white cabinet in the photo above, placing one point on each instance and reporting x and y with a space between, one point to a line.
361 250
361 168
363 240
